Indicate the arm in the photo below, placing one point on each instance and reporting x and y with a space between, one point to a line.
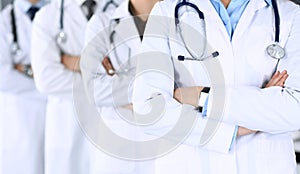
273 109
51 76
10 77
191 95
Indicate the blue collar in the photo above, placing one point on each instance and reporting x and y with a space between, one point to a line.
269 2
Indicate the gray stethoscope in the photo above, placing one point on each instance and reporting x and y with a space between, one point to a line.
274 50
113 47
61 36
15 47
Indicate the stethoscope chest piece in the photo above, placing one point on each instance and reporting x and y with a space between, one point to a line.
15 49
275 51
61 37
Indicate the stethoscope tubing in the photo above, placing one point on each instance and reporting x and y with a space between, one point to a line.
274 50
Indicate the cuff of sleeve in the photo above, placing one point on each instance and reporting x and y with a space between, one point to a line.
217 139
234 137
222 139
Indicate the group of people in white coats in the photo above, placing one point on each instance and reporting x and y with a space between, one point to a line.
43 48
23 108
39 129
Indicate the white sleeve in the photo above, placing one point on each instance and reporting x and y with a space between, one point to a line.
51 76
273 109
102 89
154 86
10 79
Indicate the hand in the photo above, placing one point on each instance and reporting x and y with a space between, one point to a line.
71 62
244 131
188 95
110 70
278 79
20 68
129 106
24 69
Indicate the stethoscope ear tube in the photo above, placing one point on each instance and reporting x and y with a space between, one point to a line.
107 5
15 47
277 20
183 3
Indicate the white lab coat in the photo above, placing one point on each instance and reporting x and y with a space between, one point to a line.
107 97
67 148
23 108
273 111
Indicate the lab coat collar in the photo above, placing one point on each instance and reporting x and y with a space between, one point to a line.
246 18
122 11
209 12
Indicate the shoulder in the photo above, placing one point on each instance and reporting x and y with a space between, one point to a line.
5 15
45 18
164 8
46 13
289 13
288 7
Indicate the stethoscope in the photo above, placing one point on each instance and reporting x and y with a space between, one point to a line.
274 50
113 47
61 36
15 49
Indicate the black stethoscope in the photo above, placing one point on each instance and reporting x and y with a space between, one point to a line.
274 50
61 36
113 47
15 47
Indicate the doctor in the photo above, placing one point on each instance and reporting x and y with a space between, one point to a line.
58 33
116 65
240 31
23 108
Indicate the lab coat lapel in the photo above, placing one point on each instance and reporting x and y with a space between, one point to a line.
80 18
126 29
71 5
247 16
212 18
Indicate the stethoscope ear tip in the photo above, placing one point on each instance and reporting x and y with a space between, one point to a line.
215 54
181 58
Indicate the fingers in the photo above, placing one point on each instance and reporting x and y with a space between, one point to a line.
108 66
70 62
278 79
282 80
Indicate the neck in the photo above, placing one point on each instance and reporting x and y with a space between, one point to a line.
226 2
34 1
142 7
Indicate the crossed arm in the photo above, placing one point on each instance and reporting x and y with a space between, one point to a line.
191 95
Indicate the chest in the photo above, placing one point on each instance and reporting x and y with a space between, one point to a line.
242 60
73 26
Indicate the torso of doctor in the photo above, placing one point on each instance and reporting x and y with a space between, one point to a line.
113 34
246 66
23 108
